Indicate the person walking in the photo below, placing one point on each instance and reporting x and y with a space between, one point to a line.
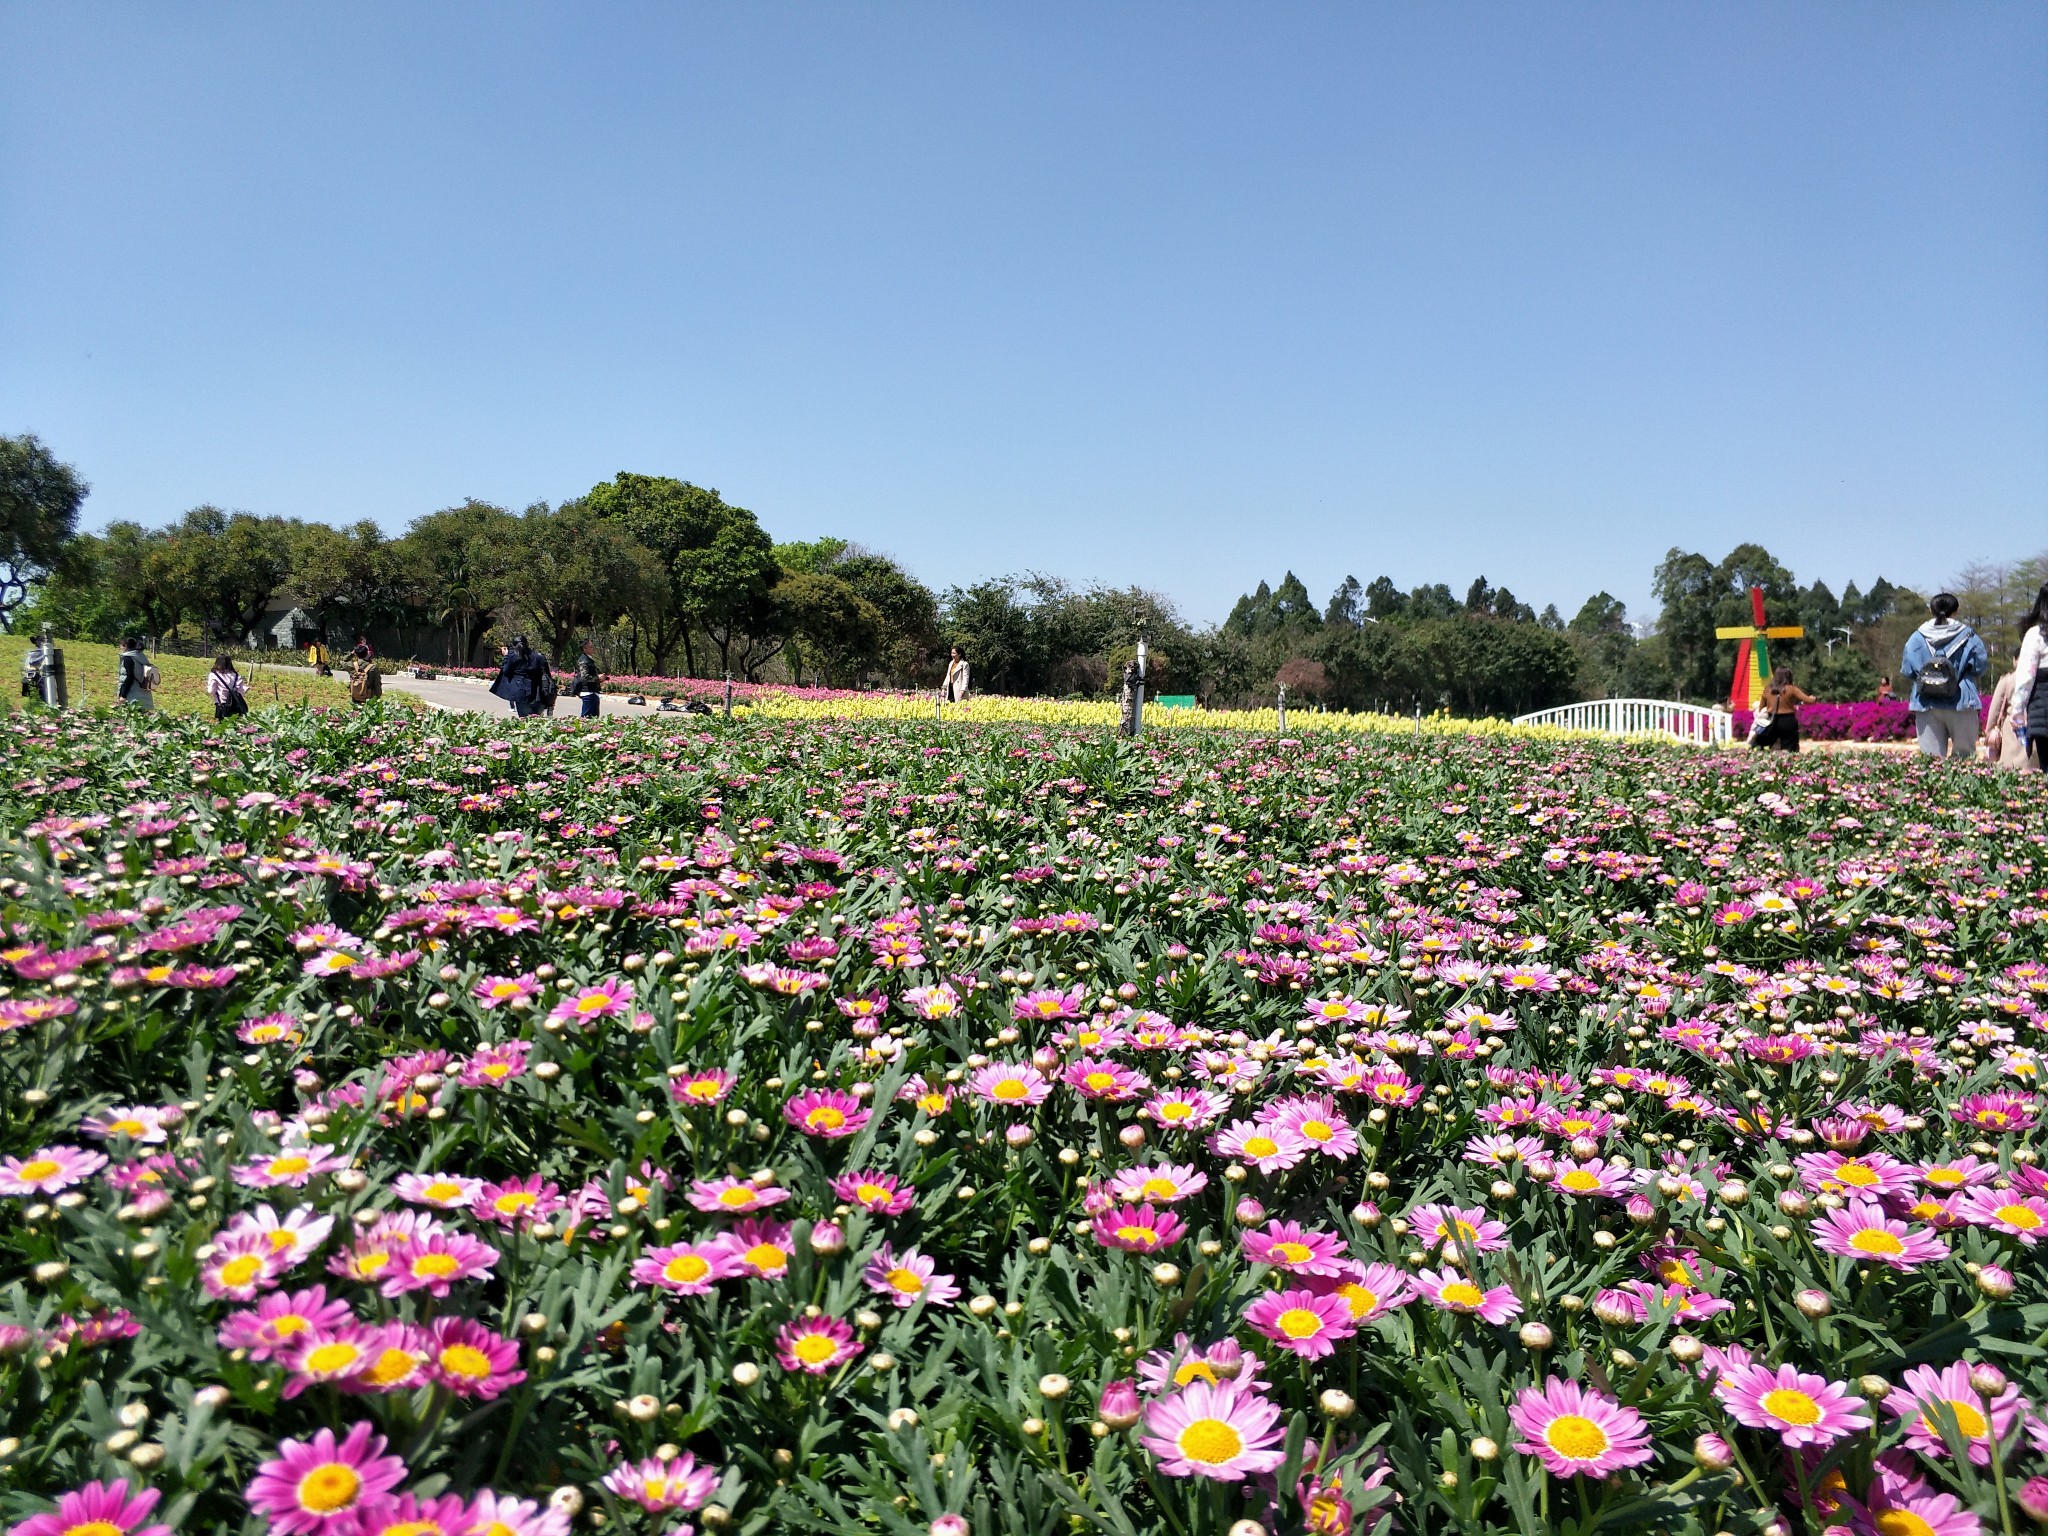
225 687
954 689
1943 659
365 682
1884 690
589 682
137 679
2003 745
2027 716
1779 710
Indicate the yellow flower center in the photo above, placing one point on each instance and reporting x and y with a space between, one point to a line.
1361 1301
908 1281
1791 1405
1292 1253
1968 1418
738 1198
1210 1442
2021 1216
1316 1130
1900 1522
1195 1370
516 1201
1158 1189
1579 1181
1009 1088
1260 1146
1101 1082
825 1118
94 1528
126 1127
442 1190
1877 1240
37 1168
371 1263
1145 1237
1575 1436
281 1238
435 1264
466 1361
390 1367
285 1167
1299 1323
1853 1172
288 1325
1175 1110
686 1269
703 1092
338 1355
329 1487
815 1348
1462 1293
241 1269
767 1258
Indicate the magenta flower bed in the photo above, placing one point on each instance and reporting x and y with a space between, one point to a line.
710 690
1865 721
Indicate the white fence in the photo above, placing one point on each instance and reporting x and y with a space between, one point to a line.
1695 723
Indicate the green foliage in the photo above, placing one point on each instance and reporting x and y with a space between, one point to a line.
39 501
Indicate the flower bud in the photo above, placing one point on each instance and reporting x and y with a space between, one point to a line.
827 1237
1249 1212
902 1418
1734 1192
1053 1387
1794 1204
1612 1310
1537 1336
1873 1386
1584 1148
1995 1281
1987 1379
1485 1449
950 1525
1338 1405
1019 1135
746 1373
211 1397
1642 1210
643 1409
1812 1303
2033 1498
1247 1528
1166 1276
1713 1454
1032 1428
1118 1406
1132 1137
566 1500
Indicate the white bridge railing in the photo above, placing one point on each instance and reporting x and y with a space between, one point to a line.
1696 723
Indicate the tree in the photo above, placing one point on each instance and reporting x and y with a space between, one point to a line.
347 579
1305 677
910 645
718 562
139 567
39 502
1347 604
227 567
459 560
1690 590
1384 600
828 623
574 569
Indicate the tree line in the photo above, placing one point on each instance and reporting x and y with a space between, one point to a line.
668 577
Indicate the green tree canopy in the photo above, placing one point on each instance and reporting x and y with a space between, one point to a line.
39 501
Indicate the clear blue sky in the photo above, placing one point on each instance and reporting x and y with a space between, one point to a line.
1176 294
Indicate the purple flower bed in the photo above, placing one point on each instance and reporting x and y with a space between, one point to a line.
1867 720
708 689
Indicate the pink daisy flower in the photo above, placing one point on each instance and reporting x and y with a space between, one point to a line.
97 1509
443 1191
1458 1227
1861 1230
1037 1007
1954 1173
703 1088
292 1168
1315 1120
1094 1078
1335 1010
1369 1290
321 1484
1389 1086
1217 1432
1011 1084
1574 1432
279 1320
1502 1151
1452 1292
1161 1184
242 1267
1911 1508
493 1065
1267 1148
687 1269
1223 1363
909 1279
411 1515
515 1200
1870 1173
1926 1388
327 1359
734 1197
293 1238
2020 1216
1302 1322
138 1123
493 991
1286 1245
493 1514
879 1194
1138 1229
815 1345
659 1486
1592 1177
1996 1112
935 1002
400 1359
602 1000
1803 1409
827 1112
48 1171
1185 1109
470 1360
758 1249
438 1262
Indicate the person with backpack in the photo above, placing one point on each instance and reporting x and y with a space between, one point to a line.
1944 659
137 679
2027 718
589 683
1777 712
225 687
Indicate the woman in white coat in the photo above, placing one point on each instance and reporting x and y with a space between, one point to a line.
954 688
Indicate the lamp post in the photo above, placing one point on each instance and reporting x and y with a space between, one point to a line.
1138 702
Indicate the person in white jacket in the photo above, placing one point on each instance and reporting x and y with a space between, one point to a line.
954 688
2029 711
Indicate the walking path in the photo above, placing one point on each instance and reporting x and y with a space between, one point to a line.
471 696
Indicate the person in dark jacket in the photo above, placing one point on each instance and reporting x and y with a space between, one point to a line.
589 681
515 682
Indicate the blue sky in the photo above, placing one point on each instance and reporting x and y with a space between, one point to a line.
1182 295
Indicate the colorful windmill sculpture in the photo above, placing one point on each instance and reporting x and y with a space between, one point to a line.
1752 658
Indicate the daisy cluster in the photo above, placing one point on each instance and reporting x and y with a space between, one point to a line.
472 1128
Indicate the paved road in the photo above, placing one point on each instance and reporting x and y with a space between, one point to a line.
469 696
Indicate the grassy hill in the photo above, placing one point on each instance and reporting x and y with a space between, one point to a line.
90 671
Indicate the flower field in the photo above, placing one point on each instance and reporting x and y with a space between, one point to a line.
450 1126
